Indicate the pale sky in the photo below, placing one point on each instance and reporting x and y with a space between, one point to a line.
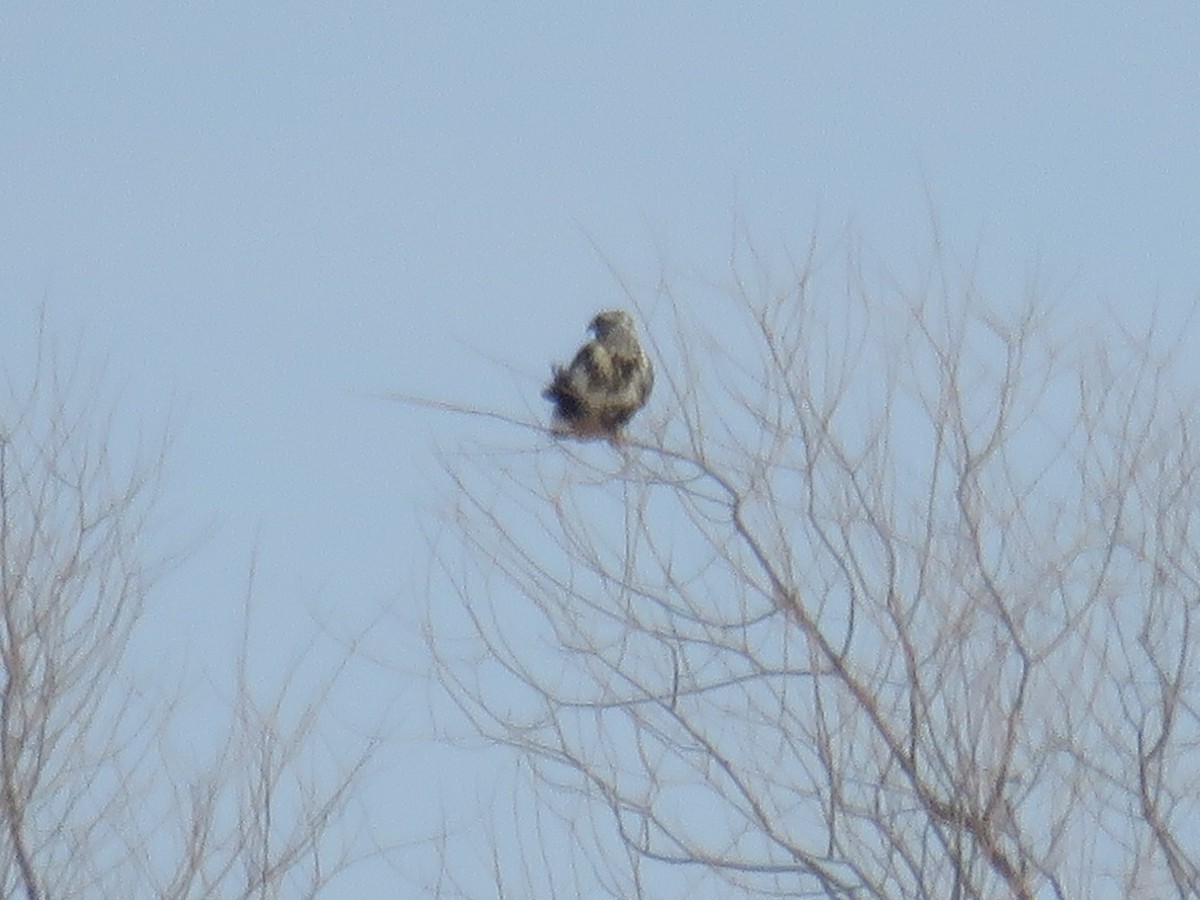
258 214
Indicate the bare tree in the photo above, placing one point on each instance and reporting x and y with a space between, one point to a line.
892 599
93 800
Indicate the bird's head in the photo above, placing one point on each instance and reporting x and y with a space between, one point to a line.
609 320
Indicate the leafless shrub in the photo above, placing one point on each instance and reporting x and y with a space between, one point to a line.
93 803
892 596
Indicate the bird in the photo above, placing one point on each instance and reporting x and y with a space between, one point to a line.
607 382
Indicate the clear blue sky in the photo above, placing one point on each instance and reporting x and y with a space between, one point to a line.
257 212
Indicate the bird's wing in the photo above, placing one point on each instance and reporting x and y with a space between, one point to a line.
645 380
592 368
633 375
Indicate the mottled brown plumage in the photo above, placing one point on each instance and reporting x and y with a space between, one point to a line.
608 381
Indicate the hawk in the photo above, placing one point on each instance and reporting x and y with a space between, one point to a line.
606 383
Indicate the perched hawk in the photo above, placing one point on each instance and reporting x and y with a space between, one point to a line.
607 382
